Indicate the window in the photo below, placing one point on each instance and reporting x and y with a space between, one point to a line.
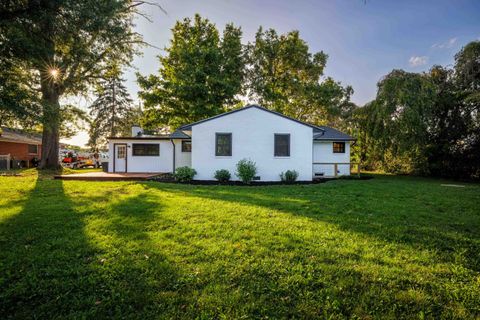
186 146
223 144
339 147
145 149
121 152
32 149
282 145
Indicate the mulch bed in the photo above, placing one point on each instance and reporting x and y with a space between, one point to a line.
255 183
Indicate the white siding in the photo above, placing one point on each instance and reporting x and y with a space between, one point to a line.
182 159
252 138
323 152
161 163
111 157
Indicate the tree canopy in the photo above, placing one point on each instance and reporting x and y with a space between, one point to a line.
200 75
426 123
284 76
112 111
203 74
51 49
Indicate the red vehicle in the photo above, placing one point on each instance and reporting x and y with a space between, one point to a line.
76 161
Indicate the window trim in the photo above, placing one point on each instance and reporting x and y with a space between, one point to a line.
28 148
114 156
341 143
145 155
275 145
217 134
183 142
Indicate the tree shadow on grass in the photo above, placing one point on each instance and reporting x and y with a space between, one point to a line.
412 243
73 254
51 268
45 256
404 214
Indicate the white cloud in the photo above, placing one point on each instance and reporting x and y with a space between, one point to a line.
417 61
445 45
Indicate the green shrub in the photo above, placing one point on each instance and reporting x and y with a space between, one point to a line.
289 176
246 170
184 174
222 175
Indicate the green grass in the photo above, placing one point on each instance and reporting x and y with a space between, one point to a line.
390 247
46 173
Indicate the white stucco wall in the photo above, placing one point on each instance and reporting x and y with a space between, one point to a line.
253 138
323 152
161 163
182 159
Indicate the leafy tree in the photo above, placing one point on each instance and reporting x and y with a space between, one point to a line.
284 76
446 125
112 111
57 48
467 79
73 119
17 98
467 67
426 122
199 76
400 118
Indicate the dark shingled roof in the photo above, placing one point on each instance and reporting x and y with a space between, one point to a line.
18 135
178 134
332 134
174 135
320 132
189 126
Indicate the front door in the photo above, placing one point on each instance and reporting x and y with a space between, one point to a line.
120 164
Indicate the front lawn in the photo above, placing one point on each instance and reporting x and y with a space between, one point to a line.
390 247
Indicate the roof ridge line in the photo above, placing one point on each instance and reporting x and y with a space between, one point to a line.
184 127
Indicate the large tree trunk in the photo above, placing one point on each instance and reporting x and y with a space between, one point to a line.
50 96
51 125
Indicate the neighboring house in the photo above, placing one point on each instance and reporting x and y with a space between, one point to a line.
275 142
19 147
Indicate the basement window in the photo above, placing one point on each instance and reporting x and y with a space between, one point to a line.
33 149
186 146
145 149
339 147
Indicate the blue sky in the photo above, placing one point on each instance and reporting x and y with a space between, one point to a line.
365 40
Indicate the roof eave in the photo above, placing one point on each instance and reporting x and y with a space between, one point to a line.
138 138
189 126
148 138
334 139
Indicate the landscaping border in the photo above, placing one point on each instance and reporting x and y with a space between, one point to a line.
255 183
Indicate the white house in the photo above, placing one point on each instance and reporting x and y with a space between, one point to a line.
275 142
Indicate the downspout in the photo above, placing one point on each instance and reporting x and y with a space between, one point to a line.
173 144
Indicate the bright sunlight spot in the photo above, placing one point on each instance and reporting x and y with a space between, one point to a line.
54 72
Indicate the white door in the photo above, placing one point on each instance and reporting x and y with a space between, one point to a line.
120 164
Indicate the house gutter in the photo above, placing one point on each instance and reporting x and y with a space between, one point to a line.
173 144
